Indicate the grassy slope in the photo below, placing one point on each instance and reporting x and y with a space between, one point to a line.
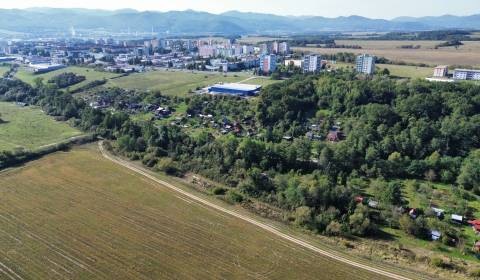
3 69
30 128
174 83
90 75
80 216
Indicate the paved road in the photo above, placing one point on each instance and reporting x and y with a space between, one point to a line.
264 226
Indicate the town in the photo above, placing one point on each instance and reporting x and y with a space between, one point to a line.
147 144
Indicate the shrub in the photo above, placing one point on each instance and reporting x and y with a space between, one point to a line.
169 166
233 197
334 228
440 263
219 191
475 273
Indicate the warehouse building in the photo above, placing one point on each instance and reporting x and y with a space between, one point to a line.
44 68
235 89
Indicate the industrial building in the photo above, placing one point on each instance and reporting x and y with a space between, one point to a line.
44 68
466 74
365 64
7 58
235 89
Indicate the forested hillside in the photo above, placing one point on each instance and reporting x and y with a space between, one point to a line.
385 132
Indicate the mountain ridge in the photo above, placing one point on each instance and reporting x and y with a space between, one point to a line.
230 22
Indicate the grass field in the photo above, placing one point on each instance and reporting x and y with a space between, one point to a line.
90 75
260 81
468 54
76 215
3 69
30 128
402 71
174 82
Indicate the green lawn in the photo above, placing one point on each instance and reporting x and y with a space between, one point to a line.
175 83
262 81
30 128
406 71
402 71
3 69
90 75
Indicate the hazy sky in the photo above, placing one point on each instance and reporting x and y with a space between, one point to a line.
328 8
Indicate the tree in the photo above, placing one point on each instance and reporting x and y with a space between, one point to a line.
387 193
360 223
469 176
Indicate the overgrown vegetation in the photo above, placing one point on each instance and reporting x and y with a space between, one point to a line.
393 131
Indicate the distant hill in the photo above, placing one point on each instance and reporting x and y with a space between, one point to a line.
36 20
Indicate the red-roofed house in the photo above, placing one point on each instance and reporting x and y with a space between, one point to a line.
475 225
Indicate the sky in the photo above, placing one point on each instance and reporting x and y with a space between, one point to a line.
386 9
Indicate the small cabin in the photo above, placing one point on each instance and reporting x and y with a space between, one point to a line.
440 213
456 219
435 235
413 213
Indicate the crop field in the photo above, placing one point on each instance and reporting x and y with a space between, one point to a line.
76 215
468 54
258 39
90 75
175 83
30 128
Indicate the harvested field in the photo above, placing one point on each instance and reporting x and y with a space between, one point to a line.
76 215
468 54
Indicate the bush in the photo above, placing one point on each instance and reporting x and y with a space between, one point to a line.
334 228
233 197
219 191
303 216
475 273
440 263
169 166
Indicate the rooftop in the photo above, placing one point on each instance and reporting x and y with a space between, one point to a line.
467 70
237 86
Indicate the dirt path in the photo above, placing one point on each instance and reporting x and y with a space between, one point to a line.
264 226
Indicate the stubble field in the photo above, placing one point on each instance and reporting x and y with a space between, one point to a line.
76 215
468 54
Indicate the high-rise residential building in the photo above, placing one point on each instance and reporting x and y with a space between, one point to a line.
207 51
312 64
237 50
466 74
440 71
275 48
366 64
268 63
283 48
264 49
248 50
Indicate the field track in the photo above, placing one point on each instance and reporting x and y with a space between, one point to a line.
257 223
